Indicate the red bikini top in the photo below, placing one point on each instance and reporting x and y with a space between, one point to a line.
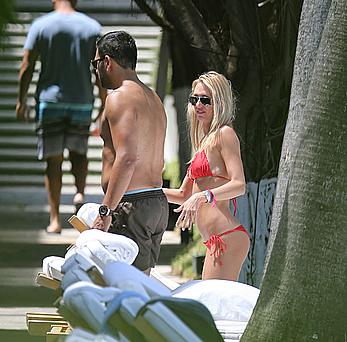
199 167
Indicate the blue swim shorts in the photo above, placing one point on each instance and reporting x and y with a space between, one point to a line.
60 126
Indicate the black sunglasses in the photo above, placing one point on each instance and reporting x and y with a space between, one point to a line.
96 61
206 101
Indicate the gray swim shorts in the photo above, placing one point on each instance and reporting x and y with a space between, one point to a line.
61 126
142 217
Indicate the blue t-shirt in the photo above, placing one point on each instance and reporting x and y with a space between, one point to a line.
66 44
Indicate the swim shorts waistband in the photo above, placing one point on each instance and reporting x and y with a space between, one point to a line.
63 105
131 192
141 194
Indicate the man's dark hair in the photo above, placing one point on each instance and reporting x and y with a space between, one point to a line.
120 46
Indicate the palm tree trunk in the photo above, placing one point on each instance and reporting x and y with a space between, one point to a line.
313 19
303 294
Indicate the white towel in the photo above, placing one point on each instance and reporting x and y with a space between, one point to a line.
88 213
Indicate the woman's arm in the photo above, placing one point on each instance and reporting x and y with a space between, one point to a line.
231 155
179 196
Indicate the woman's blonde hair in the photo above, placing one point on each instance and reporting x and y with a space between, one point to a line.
223 110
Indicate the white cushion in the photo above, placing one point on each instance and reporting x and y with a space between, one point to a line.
225 299
167 282
128 277
88 213
231 330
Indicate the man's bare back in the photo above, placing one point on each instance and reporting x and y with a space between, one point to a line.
138 113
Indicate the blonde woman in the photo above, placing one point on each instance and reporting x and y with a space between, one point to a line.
214 177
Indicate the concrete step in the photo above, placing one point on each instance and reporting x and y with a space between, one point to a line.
14 153
24 18
18 250
11 90
38 167
26 206
27 154
18 142
8 115
13 318
18 285
10 69
11 58
21 180
31 141
37 216
16 128
36 195
7 66
86 5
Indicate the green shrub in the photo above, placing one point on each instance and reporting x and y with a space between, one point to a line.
182 263
172 173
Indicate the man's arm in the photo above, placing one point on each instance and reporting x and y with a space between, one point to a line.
25 75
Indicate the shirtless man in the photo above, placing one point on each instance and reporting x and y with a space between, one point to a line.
133 128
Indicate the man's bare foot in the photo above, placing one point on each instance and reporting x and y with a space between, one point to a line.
54 228
78 201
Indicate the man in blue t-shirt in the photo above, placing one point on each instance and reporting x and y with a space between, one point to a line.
64 41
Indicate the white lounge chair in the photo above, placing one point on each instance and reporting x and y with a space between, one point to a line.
230 303
88 301
138 320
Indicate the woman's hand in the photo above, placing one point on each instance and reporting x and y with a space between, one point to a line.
102 223
189 210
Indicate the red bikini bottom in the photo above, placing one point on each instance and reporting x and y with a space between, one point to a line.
219 244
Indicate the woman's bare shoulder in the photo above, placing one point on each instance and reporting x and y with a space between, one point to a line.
228 135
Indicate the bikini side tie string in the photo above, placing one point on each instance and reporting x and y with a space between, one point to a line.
235 205
219 244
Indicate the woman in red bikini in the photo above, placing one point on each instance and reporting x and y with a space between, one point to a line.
214 177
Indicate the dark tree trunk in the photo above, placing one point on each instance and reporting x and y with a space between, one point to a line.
312 23
303 294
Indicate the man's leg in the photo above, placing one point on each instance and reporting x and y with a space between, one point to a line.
53 182
79 169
